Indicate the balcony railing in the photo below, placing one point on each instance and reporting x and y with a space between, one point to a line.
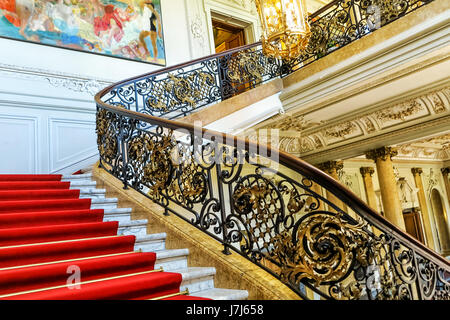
257 201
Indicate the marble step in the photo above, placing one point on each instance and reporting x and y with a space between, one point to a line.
77 177
136 228
222 294
196 279
91 193
75 184
171 259
155 242
117 214
104 203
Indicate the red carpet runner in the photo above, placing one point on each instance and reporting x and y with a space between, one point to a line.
48 234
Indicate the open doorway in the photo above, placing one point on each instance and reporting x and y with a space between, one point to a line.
227 36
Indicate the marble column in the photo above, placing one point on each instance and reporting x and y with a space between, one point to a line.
446 173
423 208
388 185
332 168
371 197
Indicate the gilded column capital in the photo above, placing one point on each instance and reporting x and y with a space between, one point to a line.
366 171
445 171
331 165
381 153
416 171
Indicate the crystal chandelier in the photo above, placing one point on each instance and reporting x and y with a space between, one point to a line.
286 31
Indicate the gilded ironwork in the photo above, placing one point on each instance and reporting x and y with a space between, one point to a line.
245 67
106 135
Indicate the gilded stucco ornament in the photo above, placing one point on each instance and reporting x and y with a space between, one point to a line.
106 136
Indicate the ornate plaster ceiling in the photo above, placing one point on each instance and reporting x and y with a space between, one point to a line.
435 147
413 119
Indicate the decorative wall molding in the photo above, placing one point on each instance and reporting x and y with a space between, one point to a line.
92 87
63 154
71 82
198 31
431 180
46 140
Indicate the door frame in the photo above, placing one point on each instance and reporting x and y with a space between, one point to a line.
241 18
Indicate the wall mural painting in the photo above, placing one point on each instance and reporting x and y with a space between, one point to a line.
130 29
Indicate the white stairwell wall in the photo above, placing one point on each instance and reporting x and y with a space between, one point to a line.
47 109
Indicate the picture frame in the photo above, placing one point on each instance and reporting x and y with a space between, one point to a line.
125 29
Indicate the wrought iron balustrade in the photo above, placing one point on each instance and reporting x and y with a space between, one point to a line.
266 209
257 201
177 91
343 21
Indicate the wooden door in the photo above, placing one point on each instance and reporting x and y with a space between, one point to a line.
413 224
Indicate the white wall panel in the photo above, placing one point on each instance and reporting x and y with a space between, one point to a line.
18 144
70 142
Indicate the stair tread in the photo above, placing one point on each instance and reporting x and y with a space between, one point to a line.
76 176
32 185
30 219
134 286
48 233
104 200
132 223
190 273
151 237
171 253
50 275
64 250
90 190
222 294
112 211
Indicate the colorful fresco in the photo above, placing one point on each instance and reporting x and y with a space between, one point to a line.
129 29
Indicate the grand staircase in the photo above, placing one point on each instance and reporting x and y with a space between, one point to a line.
61 238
